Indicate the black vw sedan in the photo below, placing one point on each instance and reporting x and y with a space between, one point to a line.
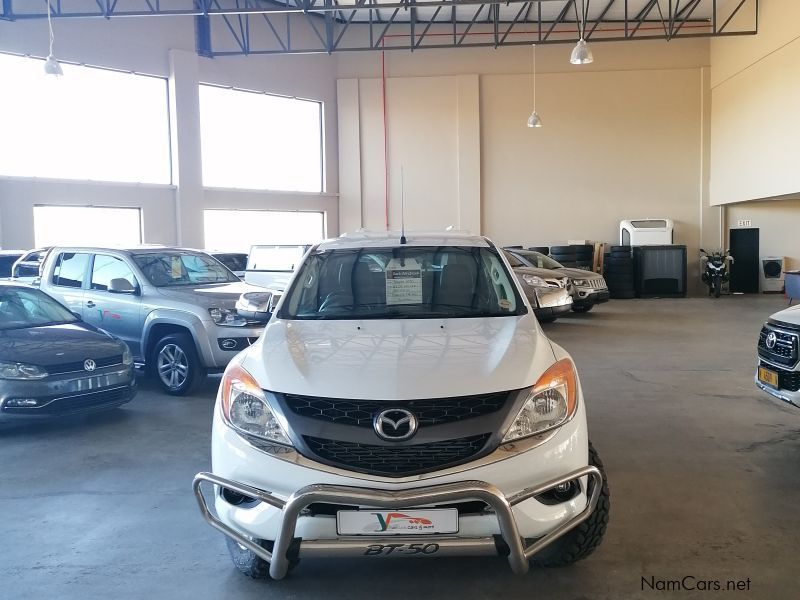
53 364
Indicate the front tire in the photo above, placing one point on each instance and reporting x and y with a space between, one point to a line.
586 537
176 364
717 287
246 561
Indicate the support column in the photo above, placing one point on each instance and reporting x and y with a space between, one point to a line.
351 215
184 110
469 154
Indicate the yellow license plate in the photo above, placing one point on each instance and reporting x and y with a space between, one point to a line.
768 377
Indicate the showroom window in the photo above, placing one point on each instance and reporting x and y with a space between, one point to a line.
91 123
86 226
238 230
259 141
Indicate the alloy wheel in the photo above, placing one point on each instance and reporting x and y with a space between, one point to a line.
173 366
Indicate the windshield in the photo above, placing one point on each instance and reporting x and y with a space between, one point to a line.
537 259
235 262
405 282
23 307
167 269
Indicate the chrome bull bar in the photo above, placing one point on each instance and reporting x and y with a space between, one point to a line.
512 543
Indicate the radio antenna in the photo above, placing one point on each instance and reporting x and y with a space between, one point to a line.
402 208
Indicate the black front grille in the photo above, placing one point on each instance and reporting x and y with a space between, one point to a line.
787 380
360 413
75 404
785 349
396 460
73 367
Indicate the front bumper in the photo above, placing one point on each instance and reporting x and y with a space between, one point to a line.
219 344
589 296
552 297
782 394
287 547
552 311
786 396
67 394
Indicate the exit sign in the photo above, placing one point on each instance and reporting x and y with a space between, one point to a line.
745 223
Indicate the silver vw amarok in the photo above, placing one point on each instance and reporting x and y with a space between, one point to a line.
175 308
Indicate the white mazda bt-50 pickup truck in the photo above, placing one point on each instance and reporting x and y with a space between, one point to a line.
402 401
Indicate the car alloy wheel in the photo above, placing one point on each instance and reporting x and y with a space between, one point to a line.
173 366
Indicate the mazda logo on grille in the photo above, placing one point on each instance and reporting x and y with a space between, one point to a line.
89 364
395 424
772 339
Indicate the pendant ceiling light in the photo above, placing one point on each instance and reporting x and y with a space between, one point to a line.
581 54
534 121
51 66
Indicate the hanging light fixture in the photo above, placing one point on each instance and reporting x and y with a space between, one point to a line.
51 66
581 54
534 121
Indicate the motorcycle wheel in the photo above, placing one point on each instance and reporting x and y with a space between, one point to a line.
717 287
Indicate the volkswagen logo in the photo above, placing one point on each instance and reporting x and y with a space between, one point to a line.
89 364
395 424
772 339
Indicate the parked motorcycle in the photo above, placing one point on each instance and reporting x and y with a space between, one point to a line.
716 270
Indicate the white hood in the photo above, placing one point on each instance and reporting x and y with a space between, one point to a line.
788 315
399 359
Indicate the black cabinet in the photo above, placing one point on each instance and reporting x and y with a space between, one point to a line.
659 271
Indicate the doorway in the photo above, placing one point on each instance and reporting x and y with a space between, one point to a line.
744 250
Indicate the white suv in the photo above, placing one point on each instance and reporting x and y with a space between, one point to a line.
402 401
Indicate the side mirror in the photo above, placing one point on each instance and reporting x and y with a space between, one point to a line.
121 286
703 251
256 306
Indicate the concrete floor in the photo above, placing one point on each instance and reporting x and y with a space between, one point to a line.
703 471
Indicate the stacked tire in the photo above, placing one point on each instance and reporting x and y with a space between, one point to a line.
618 272
575 257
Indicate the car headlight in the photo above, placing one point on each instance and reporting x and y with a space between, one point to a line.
533 280
227 317
551 403
245 407
21 371
127 357
580 282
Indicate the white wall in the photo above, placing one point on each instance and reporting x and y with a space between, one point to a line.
623 138
777 221
171 214
755 81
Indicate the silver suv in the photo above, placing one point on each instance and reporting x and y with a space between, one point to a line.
174 308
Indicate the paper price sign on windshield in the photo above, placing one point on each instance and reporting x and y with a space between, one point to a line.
403 282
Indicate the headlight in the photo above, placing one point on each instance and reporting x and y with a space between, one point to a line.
9 370
127 357
551 403
534 280
227 317
580 282
245 407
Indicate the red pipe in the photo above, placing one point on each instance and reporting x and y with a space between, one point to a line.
385 142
